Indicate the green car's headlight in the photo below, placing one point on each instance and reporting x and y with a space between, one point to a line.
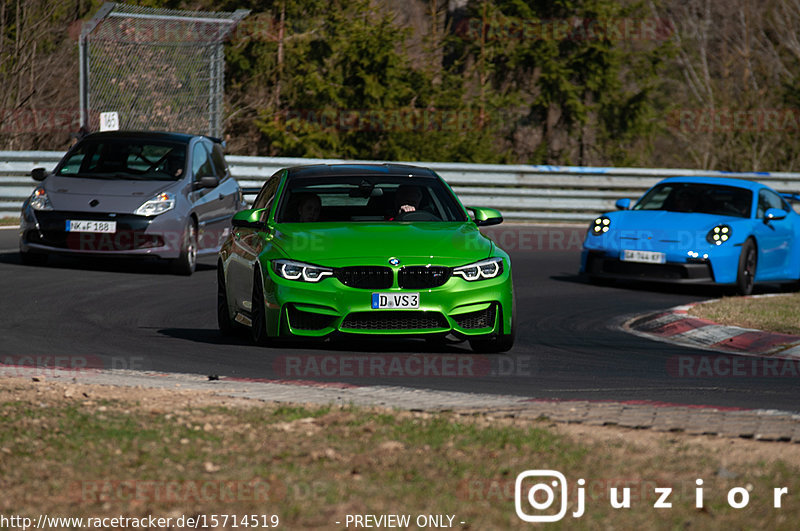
600 226
484 269
291 270
158 205
39 200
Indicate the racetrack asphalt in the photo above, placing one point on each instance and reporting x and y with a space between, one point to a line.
135 315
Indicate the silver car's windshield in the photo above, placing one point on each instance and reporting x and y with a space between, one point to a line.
126 159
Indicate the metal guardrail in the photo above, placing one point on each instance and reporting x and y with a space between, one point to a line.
521 192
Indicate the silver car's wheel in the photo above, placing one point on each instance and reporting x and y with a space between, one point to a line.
186 262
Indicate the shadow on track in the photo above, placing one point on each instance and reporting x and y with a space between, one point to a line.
377 345
139 266
697 290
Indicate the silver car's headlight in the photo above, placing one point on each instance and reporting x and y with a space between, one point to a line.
158 205
39 200
291 270
484 269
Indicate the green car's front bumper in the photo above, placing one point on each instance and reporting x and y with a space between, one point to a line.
466 309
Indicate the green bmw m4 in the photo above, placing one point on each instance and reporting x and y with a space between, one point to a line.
367 249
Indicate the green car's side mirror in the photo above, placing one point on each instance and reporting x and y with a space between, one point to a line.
250 218
483 217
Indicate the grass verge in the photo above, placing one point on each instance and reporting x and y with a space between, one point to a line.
5 222
775 314
90 451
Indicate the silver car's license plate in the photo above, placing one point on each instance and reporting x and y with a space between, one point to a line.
91 226
388 301
647 257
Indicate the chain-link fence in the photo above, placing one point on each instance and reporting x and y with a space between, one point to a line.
159 69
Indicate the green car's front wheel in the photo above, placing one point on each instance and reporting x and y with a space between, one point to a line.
496 343
224 321
258 313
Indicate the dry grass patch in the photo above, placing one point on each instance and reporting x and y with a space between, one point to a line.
775 313
81 450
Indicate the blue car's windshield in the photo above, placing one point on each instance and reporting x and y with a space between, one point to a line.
698 198
125 159
368 198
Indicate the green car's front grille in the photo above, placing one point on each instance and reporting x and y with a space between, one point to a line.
395 320
475 320
365 277
423 277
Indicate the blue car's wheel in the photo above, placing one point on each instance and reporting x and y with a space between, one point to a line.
746 274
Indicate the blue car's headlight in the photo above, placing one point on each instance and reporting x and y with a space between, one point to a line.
719 235
39 200
490 268
291 270
600 226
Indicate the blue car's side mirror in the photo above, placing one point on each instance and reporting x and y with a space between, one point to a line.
774 214
623 204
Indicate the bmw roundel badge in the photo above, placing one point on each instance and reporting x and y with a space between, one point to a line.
394 261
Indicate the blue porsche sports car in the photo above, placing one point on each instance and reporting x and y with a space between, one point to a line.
700 230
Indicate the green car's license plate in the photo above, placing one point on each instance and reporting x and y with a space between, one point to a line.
381 301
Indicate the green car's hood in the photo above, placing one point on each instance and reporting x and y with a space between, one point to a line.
337 244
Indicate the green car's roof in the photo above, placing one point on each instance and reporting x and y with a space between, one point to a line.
338 170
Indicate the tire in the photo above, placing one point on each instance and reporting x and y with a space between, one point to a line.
186 262
33 259
498 342
224 322
746 273
258 313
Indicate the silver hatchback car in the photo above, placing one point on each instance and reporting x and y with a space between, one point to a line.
133 194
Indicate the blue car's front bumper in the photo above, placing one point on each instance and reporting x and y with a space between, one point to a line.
701 265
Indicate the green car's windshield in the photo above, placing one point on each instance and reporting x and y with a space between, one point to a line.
699 198
126 159
368 198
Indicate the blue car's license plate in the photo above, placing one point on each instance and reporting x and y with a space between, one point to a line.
647 257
